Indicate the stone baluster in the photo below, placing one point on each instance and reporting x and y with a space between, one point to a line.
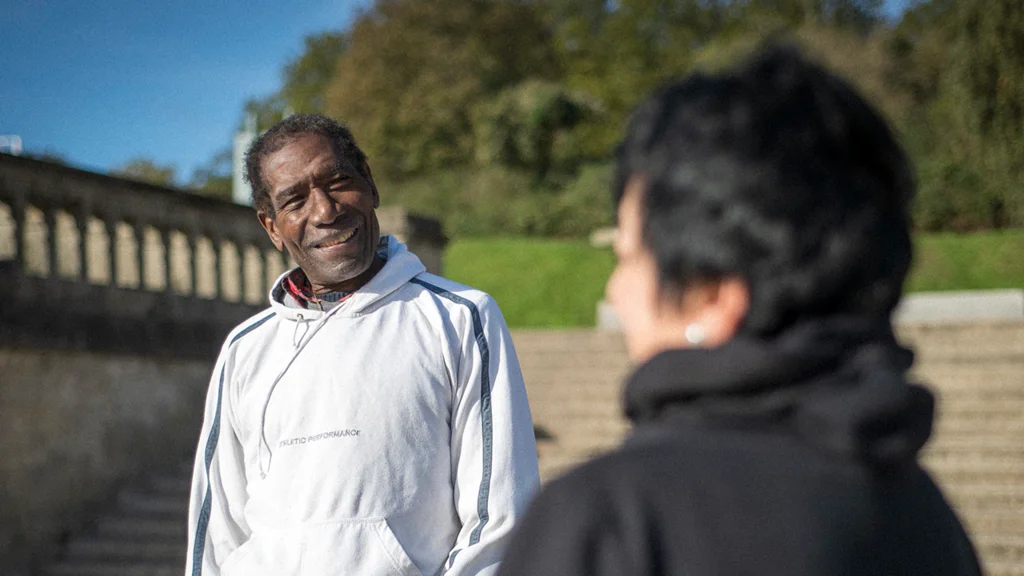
110 226
82 224
261 278
50 221
18 215
165 238
193 256
240 270
218 267
139 231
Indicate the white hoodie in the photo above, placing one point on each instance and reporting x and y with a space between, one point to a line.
389 435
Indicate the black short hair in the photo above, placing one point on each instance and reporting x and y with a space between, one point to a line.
778 173
286 131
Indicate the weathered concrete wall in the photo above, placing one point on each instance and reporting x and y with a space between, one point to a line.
74 424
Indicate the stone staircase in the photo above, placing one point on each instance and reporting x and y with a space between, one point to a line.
574 380
977 451
143 534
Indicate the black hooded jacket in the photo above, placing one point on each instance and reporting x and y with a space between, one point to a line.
790 456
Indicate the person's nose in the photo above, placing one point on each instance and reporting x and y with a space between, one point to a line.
325 209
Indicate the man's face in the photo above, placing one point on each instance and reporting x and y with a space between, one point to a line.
323 211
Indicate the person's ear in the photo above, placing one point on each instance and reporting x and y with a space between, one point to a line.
373 186
714 310
270 225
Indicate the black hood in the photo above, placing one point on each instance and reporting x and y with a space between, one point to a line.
840 384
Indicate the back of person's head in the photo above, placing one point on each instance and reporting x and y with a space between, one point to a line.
777 173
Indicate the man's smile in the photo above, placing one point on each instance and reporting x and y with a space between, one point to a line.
338 238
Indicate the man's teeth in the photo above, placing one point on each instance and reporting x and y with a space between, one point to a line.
339 240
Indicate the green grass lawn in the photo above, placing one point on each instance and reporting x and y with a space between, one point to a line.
537 282
557 283
980 261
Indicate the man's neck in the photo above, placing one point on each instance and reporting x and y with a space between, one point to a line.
352 284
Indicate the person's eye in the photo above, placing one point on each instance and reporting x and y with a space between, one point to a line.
292 202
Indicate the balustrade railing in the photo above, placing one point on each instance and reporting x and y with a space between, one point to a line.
96 262
98 251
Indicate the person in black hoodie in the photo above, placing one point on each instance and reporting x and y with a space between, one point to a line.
763 243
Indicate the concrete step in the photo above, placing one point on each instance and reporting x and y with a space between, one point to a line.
1004 409
970 499
115 569
1000 547
995 522
557 389
140 502
1007 446
951 368
141 527
532 343
1003 568
983 471
171 485
969 426
553 467
974 340
570 428
996 390
107 550
577 409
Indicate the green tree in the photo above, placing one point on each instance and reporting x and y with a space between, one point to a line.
147 170
414 70
523 126
977 149
214 178
307 78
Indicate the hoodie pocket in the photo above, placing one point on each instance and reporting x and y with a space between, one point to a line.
365 546
264 554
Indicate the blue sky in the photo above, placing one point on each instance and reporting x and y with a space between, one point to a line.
101 82
104 81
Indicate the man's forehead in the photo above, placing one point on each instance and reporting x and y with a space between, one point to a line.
304 156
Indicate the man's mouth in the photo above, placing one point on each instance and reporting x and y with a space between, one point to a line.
338 239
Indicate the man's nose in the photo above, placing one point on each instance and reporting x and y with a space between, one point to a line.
325 209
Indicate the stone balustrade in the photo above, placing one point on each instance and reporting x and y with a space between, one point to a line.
93 262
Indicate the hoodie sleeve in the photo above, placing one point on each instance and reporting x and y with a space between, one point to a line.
494 453
215 523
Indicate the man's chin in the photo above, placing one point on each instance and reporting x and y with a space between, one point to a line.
338 273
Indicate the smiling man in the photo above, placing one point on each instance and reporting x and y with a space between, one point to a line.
374 419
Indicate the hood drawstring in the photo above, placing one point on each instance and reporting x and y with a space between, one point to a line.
296 339
299 342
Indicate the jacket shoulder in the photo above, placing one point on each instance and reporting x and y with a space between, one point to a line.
455 292
248 326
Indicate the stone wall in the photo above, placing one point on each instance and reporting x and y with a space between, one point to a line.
92 262
74 425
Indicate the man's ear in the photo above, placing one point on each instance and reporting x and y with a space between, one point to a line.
270 226
373 186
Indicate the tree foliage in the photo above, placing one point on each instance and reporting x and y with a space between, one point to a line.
415 69
501 116
147 170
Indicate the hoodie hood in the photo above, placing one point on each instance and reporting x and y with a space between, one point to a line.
839 384
401 266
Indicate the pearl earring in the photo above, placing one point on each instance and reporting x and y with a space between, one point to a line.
695 334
